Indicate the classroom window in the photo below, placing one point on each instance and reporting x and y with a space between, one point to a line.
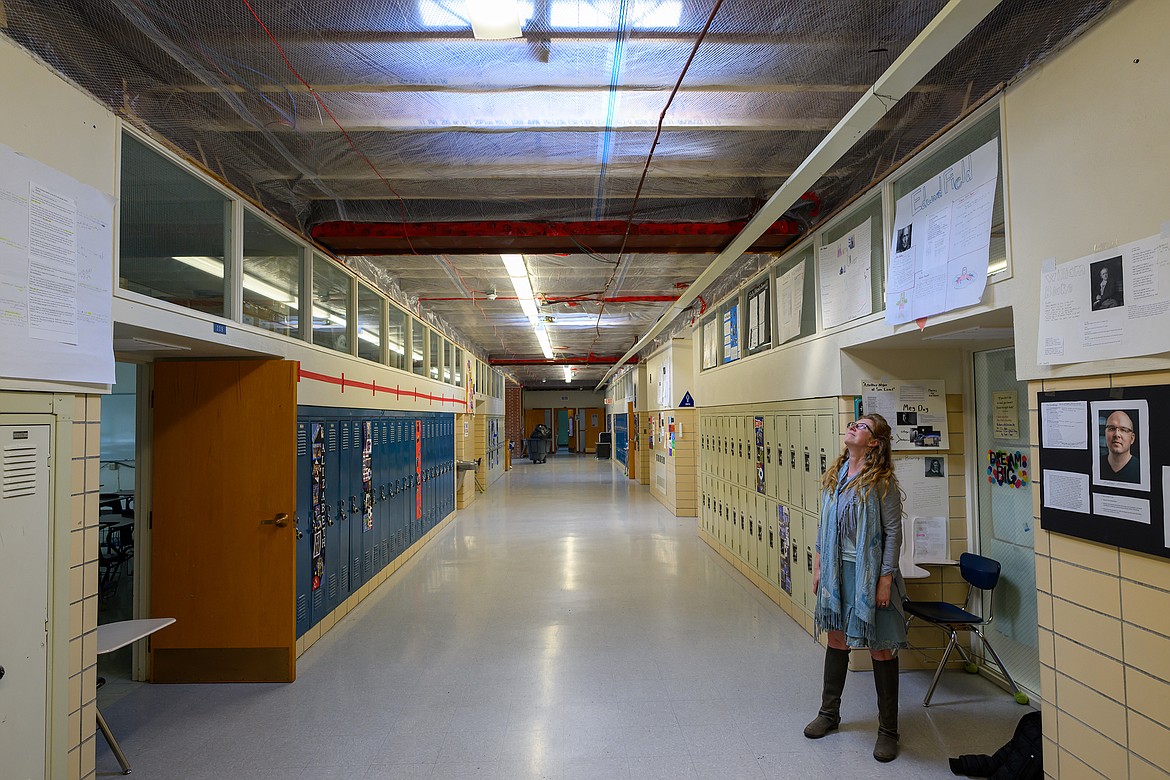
418 347
369 323
272 278
331 305
396 337
173 234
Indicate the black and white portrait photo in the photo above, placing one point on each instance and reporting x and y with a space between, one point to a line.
904 239
1105 285
934 467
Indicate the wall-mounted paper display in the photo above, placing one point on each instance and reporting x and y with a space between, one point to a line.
790 301
942 239
843 272
1102 456
1108 305
915 410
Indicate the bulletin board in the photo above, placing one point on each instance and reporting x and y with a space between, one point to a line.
1105 466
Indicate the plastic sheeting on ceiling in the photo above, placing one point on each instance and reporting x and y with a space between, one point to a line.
410 119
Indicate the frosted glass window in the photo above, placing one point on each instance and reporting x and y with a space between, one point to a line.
369 323
331 309
396 337
272 278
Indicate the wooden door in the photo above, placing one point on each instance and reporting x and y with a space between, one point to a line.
593 423
223 555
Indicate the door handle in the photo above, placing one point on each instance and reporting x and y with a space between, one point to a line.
280 521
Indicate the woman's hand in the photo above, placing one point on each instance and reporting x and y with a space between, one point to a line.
816 573
884 585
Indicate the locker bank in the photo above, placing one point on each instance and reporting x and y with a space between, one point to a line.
267 374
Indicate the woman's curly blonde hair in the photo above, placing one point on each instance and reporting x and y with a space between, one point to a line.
878 467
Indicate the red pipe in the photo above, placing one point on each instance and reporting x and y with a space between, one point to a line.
510 228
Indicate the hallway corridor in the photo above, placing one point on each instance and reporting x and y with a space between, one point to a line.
563 626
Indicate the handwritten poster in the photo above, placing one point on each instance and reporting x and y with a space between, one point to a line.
711 343
916 411
942 239
1006 422
731 334
843 271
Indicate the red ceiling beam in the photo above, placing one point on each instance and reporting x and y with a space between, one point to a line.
600 360
396 238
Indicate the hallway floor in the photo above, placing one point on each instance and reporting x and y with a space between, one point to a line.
563 626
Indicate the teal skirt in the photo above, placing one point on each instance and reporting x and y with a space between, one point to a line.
889 623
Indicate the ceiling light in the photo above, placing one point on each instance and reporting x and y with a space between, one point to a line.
494 19
568 373
545 345
515 265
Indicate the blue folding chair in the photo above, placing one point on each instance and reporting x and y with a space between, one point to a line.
982 575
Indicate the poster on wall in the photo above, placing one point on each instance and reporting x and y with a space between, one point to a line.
791 303
731 334
942 239
711 343
785 543
1111 304
758 424
319 508
843 272
759 312
1102 457
56 275
916 411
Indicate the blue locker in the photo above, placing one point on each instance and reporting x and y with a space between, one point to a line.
367 526
353 500
383 469
336 572
304 523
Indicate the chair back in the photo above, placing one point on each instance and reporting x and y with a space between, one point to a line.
981 572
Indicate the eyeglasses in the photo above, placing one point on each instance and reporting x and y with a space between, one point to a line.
863 426
1112 429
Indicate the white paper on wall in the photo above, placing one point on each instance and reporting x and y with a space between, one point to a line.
56 275
916 411
791 303
942 239
843 272
1111 304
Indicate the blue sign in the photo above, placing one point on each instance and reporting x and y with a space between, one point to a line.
219 327
686 401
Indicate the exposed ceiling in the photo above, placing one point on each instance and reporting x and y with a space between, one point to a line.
618 141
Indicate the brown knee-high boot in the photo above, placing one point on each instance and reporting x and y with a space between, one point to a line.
885 680
829 717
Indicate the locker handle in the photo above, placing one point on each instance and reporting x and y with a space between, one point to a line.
792 452
353 505
824 464
807 462
769 456
280 521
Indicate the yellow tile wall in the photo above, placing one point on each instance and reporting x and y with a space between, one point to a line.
83 586
1104 618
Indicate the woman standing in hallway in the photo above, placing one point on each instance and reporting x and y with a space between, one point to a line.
855 574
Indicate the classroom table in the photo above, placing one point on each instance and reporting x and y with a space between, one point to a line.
111 637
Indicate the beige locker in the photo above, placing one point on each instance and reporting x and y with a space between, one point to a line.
761 535
779 487
770 467
799 576
827 447
795 481
768 550
810 522
739 476
751 549
809 473
721 446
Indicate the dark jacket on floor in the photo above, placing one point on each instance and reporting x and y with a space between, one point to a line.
1020 759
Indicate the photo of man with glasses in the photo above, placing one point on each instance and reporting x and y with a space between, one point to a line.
1119 463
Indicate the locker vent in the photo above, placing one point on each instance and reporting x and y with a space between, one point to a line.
345 445
385 552
302 609
332 438
19 471
368 563
345 578
356 571
302 440
332 586
318 600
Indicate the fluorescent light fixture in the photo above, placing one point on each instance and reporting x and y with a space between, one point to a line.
523 288
515 265
568 373
214 267
545 346
494 19
530 310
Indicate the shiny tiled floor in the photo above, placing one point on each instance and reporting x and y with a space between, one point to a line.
564 626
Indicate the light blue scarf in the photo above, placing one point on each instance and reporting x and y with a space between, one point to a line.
830 611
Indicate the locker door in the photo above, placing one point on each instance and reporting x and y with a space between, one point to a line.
384 516
809 472
741 513
399 488
352 462
704 461
810 547
780 442
336 540
749 539
770 467
771 561
827 447
721 449
799 571
367 501
304 525
755 534
795 483
737 450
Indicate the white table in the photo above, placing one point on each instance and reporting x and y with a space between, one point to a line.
111 637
